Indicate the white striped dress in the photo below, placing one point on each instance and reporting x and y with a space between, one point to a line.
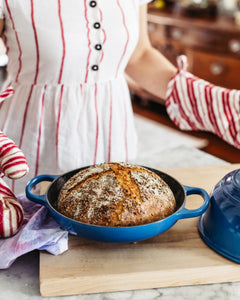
71 106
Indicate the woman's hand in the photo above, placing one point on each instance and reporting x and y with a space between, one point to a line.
11 212
13 164
1 26
195 104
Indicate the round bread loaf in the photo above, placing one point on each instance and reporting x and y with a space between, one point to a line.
116 194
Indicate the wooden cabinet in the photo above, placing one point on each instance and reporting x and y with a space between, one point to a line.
211 45
219 69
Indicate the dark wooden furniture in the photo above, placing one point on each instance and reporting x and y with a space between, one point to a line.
212 45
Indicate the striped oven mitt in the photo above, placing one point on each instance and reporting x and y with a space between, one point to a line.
13 164
195 104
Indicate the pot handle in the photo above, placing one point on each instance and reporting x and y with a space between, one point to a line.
40 199
184 213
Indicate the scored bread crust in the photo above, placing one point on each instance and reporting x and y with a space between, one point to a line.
116 194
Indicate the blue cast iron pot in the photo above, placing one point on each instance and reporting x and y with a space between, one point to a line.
219 226
116 234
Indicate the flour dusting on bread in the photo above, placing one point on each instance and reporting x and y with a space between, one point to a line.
116 194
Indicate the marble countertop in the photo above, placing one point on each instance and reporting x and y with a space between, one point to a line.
158 148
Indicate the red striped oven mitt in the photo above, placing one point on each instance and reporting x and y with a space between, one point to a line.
13 164
195 104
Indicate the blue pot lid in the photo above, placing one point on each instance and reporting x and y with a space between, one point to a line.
213 244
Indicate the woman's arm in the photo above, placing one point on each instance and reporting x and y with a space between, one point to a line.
147 66
1 26
192 103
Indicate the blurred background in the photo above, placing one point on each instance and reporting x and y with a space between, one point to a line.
208 32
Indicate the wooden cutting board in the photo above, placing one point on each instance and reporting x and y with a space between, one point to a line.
176 257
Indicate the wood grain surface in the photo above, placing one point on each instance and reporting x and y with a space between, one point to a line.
176 257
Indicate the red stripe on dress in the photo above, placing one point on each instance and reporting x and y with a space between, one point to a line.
104 40
89 41
126 44
81 89
63 41
25 115
40 133
104 35
36 42
17 39
110 126
97 126
36 73
125 133
58 122
60 78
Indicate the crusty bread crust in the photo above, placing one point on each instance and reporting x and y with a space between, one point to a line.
116 194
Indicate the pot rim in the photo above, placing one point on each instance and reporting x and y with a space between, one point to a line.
180 213
50 205
215 246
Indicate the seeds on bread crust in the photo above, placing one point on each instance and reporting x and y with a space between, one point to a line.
116 194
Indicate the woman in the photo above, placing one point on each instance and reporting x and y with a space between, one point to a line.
71 106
